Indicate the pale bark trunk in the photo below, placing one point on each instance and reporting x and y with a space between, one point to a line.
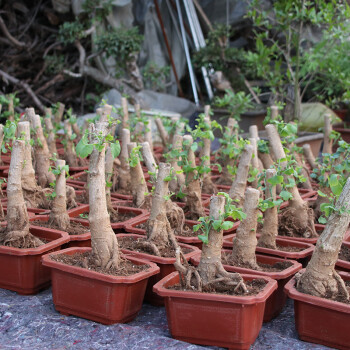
70 154
309 156
327 141
59 113
125 117
253 132
42 155
270 227
17 233
124 170
320 278
162 132
178 183
255 160
244 244
193 188
159 231
1 139
148 134
274 112
109 174
104 112
149 160
138 184
11 110
297 219
59 215
138 133
240 182
51 140
103 240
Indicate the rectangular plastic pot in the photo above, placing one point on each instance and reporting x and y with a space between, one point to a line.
277 300
321 321
95 296
21 270
302 256
232 322
166 266
343 265
83 240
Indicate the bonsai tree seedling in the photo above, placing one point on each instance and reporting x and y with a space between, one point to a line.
50 133
320 277
16 234
210 274
298 218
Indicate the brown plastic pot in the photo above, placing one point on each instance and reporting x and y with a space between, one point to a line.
303 256
194 240
118 227
228 321
166 266
319 320
277 300
96 296
343 265
83 240
21 270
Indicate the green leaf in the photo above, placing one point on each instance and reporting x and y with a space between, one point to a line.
286 196
203 238
115 149
194 146
275 180
226 225
196 227
321 194
217 224
322 220
85 150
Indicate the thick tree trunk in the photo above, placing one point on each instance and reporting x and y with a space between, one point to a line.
162 132
327 141
240 182
179 183
244 244
17 233
59 215
320 278
103 241
193 188
70 154
42 155
148 134
298 218
309 156
51 140
255 160
59 113
270 227
159 233
138 184
149 160
109 174
124 170
125 117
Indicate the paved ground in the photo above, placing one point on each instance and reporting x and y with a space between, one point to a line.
31 322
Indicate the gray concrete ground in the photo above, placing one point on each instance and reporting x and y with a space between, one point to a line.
32 323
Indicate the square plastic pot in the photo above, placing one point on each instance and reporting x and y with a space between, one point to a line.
166 266
278 298
343 265
21 270
232 322
319 320
95 296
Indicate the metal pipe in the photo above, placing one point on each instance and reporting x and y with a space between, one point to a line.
187 54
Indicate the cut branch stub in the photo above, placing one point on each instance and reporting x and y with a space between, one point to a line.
59 112
124 170
320 278
253 132
70 154
309 156
138 184
244 244
148 134
178 183
51 141
162 132
240 182
103 241
125 110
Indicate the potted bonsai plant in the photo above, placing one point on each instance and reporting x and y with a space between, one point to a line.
232 319
100 271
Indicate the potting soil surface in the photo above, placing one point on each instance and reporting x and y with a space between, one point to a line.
32 323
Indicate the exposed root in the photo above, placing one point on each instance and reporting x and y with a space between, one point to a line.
35 197
321 285
175 216
71 197
59 220
208 186
194 205
149 246
295 223
17 239
191 279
